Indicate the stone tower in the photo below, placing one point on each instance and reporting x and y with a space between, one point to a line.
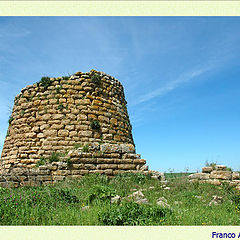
66 127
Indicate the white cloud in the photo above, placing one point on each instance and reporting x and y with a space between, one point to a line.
171 85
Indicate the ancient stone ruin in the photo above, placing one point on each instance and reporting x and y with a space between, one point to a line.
217 175
66 127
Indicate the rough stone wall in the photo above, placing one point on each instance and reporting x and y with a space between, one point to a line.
217 175
82 117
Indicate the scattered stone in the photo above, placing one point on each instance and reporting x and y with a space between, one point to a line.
154 177
151 188
163 199
157 175
177 202
137 195
116 199
216 200
142 201
162 202
85 208
164 182
167 188
198 197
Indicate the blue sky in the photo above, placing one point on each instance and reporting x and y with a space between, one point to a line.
181 77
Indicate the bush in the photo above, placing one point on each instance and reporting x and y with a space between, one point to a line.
95 124
45 82
60 107
54 157
131 213
41 162
85 148
10 119
64 195
96 79
102 193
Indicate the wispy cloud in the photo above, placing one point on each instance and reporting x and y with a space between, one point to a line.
171 85
13 32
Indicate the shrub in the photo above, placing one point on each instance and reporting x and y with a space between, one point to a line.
45 82
54 157
69 162
41 162
64 195
96 79
60 107
212 164
77 145
131 213
95 124
10 119
65 77
85 148
101 192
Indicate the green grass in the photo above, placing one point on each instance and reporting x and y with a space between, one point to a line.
61 204
176 175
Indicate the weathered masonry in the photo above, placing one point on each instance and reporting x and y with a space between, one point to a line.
66 127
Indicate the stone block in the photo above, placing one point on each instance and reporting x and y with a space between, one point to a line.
221 167
127 166
235 176
200 176
207 169
218 174
58 178
63 133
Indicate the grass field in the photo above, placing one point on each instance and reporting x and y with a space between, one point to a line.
87 202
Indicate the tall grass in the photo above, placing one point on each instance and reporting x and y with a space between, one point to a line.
64 203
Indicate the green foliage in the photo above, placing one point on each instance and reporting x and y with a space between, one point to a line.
101 192
54 157
41 162
7 133
61 203
22 112
85 148
65 77
211 164
77 145
69 162
138 178
10 119
58 89
96 79
45 82
29 99
60 107
64 194
95 125
130 213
